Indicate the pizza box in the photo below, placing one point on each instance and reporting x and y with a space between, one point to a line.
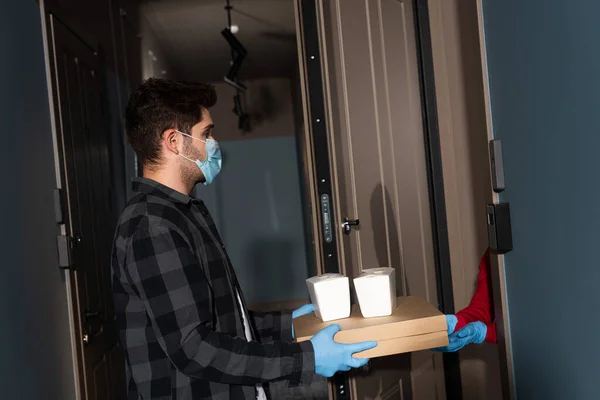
414 325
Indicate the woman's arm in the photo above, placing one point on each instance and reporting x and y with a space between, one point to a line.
481 307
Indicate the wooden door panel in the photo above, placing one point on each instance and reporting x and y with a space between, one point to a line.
117 374
88 276
361 153
99 383
84 167
424 381
385 199
388 378
381 163
406 141
408 148
98 184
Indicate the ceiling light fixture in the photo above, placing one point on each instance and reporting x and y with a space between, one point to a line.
238 52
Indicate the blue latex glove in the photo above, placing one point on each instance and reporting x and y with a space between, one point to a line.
331 356
451 320
304 310
472 333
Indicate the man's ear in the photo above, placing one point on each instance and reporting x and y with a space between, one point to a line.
171 139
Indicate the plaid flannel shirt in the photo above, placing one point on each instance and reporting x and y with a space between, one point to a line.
180 322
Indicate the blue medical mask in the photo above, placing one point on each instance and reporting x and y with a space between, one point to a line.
211 166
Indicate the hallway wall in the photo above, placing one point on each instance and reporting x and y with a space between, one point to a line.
543 62
256 201
35 348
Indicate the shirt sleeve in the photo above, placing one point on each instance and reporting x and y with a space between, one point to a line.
481 306
491 334
273 326
170 282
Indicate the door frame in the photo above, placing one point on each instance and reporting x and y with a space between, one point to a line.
496 260
447 103
433 156
48 16
316 127
70 281
318 118
319 165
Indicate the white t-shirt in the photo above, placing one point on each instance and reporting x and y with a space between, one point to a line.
261 395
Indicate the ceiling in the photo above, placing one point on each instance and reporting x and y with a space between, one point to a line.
189 33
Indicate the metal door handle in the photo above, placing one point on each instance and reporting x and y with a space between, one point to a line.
92 315
348 224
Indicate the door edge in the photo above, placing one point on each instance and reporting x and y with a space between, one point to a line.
49 57
309 169
497 261
318 131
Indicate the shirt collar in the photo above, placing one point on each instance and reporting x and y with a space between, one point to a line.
149 186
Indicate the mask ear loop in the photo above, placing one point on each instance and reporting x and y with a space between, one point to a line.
189 159
188 135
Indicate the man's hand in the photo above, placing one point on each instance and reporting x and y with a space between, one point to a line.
331 356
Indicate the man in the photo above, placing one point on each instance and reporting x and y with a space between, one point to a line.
475 323
182 317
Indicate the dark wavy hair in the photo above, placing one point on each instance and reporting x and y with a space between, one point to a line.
158 105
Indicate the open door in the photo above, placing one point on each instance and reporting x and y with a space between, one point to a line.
362 83
85 214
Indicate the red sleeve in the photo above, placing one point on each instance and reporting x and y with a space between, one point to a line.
490 335
481 307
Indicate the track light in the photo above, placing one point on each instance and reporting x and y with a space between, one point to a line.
238 53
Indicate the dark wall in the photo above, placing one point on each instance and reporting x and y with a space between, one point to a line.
543 59
35 337
35 344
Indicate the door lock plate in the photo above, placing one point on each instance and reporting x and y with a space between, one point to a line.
326 215
499 228
65 251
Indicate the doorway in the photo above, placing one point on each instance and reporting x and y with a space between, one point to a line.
261 201
324 121
258 200
335 119
378 128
